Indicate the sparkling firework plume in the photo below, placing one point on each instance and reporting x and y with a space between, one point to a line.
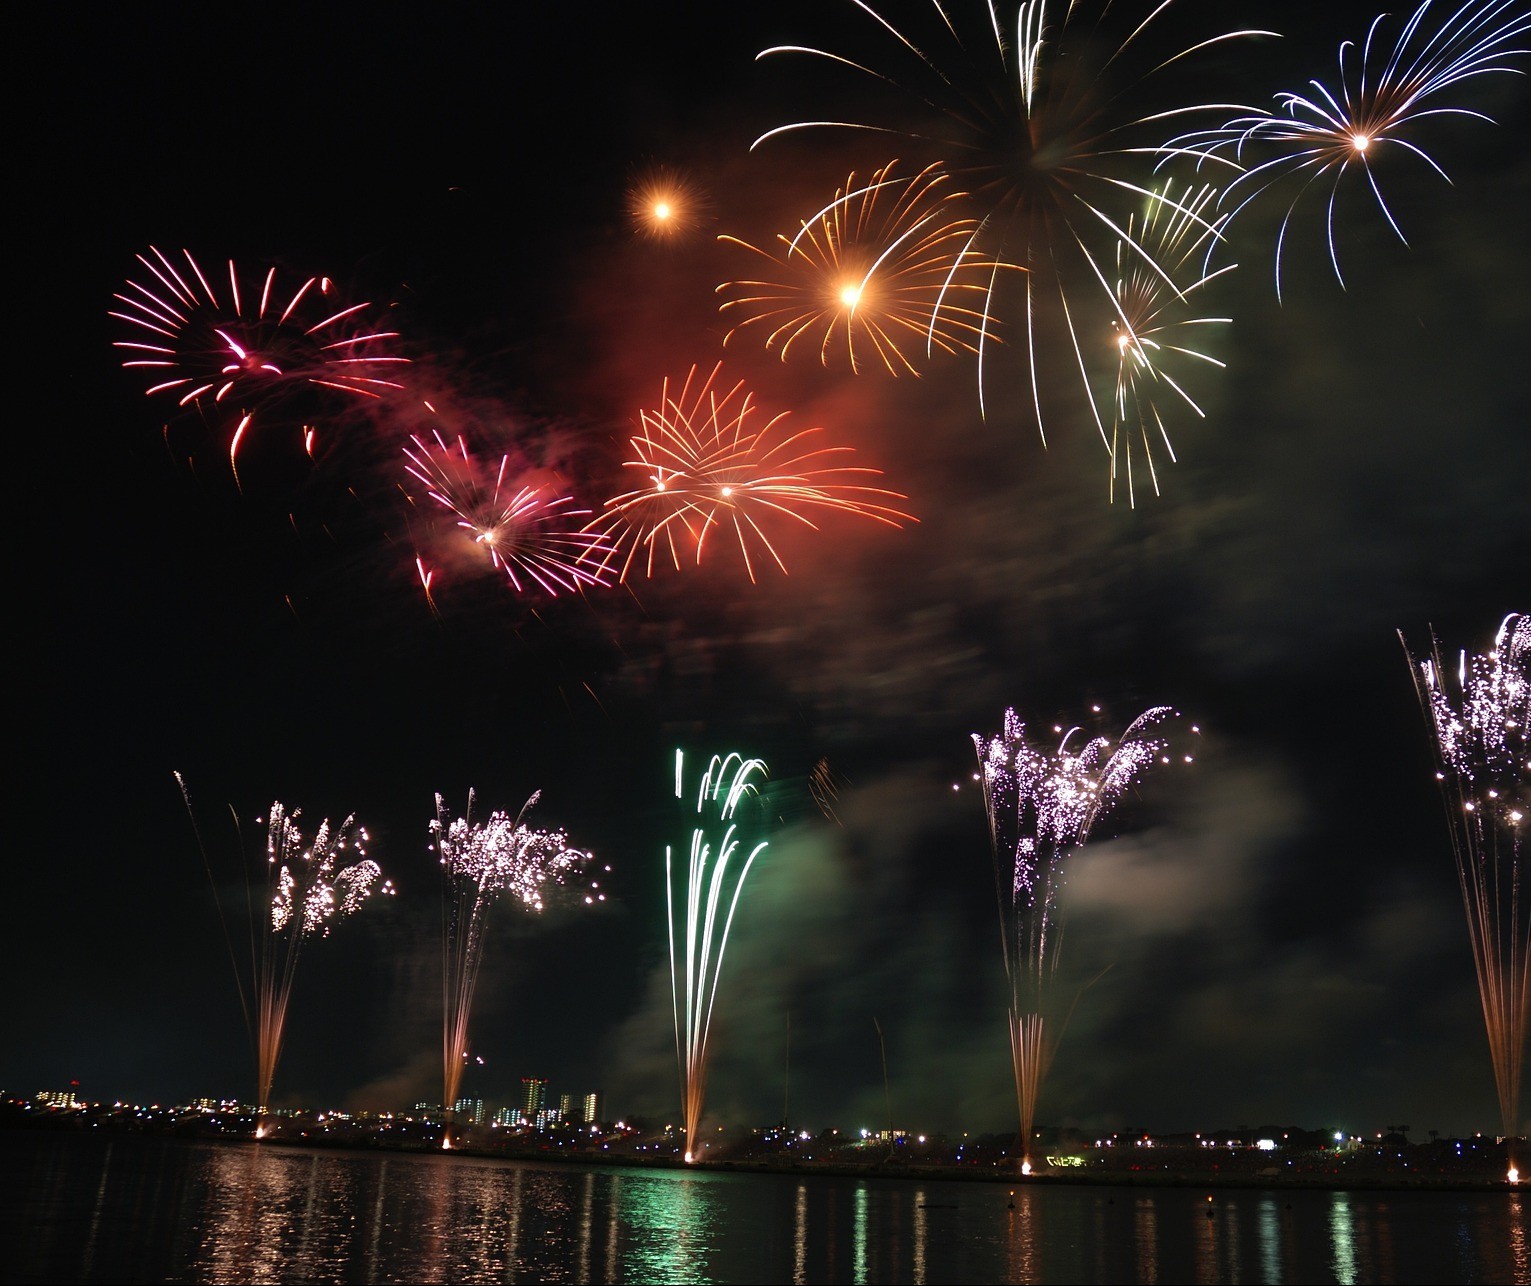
303 895
1336 136
1155 331
524 529
885 265
1052 131
714 880
245 349
1483 755
482 862
667 204
1041 807
707 464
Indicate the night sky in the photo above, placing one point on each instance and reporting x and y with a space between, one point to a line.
1274 932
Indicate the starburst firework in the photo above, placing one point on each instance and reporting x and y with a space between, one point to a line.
1041 807
249 350
1479 718
886 266
708 464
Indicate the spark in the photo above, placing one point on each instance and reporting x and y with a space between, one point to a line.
223 347
667 204
1335 136
707 464
1478 725
1050 132
884 264
713 882
1042 806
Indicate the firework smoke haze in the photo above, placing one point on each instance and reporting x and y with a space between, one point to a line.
480 863
716 868
1479 711
1041 807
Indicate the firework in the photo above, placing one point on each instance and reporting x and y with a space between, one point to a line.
1041 807
482 862
1153 333
251 348
1478 717
303 895
1050 128
525 530
883 265
667 204
1337 136
714 880
824 786
707 464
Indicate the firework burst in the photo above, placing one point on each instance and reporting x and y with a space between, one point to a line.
1052 127
482 862
1041 806
1155 329
523 529
304 894
714 880
248 349
709 464
1337 136
884 266
1479 716
667 204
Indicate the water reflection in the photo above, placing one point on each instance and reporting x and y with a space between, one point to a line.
800 1236
1145 1221
1342 1240
859 1237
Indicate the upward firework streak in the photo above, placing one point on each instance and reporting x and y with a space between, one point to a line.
304 893
884 264
523 529
1041 807
714 876
1050 132
1382 96
245 348
1484 767
481 862
707 464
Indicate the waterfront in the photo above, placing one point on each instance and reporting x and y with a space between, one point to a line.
132 1208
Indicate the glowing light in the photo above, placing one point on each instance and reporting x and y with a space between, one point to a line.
714 881
1041 807
667 204
706 464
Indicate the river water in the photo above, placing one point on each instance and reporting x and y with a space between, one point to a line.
85 1208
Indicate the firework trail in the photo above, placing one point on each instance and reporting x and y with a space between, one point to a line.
714 877
1052 124
1041 807
1154 335
1483 760
481 862
824 786
667 204
707 464
247 349
884 264
523 529
1335 137
302 894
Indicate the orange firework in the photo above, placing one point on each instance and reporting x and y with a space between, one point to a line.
707 464
885 266
248 349
667 204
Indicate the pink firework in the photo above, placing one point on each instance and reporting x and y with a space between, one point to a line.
707 464
526 530
247 349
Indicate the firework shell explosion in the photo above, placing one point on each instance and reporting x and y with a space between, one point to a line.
712 462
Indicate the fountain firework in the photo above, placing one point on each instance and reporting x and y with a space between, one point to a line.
1042 806
303 893
1483 765
479 863
713 877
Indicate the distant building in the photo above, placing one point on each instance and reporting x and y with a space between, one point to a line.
471 1109
507 1117
546 1117
566 1107
57 1098
533 1090
593 1105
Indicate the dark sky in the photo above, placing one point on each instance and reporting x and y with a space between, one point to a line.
1279 923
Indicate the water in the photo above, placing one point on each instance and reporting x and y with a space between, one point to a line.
84 1208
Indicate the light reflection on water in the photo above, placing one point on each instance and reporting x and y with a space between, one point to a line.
87 1209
